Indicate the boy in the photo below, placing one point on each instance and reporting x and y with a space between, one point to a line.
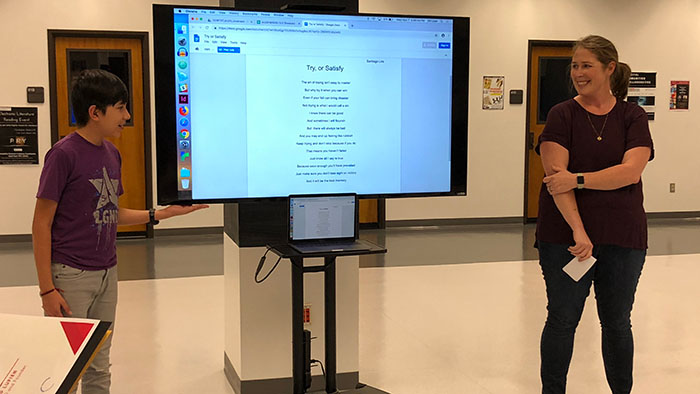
77 212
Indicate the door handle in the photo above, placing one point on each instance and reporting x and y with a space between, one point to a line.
531 140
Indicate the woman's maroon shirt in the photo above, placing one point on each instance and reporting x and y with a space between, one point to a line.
610 217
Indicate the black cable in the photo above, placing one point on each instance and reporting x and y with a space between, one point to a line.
261 264
321 364
323 370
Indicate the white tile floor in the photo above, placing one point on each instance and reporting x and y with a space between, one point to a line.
459 328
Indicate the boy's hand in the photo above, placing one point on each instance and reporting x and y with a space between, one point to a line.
55 305
177 210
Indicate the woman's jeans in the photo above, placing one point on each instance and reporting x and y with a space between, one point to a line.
615 276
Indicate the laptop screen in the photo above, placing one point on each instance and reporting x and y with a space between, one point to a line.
322 217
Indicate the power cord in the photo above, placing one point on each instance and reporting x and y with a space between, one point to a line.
314 362
261 263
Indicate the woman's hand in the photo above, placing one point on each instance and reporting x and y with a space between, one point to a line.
583 249
560 182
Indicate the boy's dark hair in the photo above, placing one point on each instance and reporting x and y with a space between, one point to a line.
95 87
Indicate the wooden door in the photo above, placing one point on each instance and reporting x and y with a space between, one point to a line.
123 57
369 213
549 84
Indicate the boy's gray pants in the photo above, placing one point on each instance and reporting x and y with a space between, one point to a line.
90 295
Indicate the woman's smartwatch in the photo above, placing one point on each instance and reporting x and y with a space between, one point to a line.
579 180
152 217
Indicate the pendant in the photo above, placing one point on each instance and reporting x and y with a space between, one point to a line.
600 138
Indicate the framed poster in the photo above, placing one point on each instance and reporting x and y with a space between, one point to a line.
493 89
642 90
680 94
19 143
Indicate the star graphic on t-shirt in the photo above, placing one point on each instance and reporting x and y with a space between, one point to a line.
107 188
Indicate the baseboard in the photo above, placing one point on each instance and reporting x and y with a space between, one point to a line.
345 381
188 231
10 238
453 222
674 215
231 375
517 219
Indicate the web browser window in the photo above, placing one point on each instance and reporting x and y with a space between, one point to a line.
317 103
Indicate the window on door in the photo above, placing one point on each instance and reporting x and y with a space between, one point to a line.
555 85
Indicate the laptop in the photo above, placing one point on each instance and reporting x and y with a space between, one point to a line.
324 223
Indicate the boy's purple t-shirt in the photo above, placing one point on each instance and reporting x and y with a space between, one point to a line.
610 217
85 180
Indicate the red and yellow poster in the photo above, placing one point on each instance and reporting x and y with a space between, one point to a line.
493 89
680 95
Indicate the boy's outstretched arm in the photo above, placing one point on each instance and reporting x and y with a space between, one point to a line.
52 301
129 217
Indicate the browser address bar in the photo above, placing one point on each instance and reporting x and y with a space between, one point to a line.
258 28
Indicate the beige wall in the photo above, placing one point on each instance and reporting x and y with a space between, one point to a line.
650 36
24 27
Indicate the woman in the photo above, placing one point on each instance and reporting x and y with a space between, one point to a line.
594 148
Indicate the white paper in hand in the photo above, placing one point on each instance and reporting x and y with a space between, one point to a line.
576 269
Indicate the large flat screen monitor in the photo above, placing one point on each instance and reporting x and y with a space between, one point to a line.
254 105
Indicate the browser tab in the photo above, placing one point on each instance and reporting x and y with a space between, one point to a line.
325 24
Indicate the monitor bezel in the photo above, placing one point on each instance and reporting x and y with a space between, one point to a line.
166 119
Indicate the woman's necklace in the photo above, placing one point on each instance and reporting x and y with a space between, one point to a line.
599 135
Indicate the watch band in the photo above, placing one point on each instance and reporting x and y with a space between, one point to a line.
579 180
152 217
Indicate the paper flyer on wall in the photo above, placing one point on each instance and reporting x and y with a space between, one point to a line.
680 94
642 90
494 86
19 143
37 354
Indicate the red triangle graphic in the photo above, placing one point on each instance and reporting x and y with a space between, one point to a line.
76 333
